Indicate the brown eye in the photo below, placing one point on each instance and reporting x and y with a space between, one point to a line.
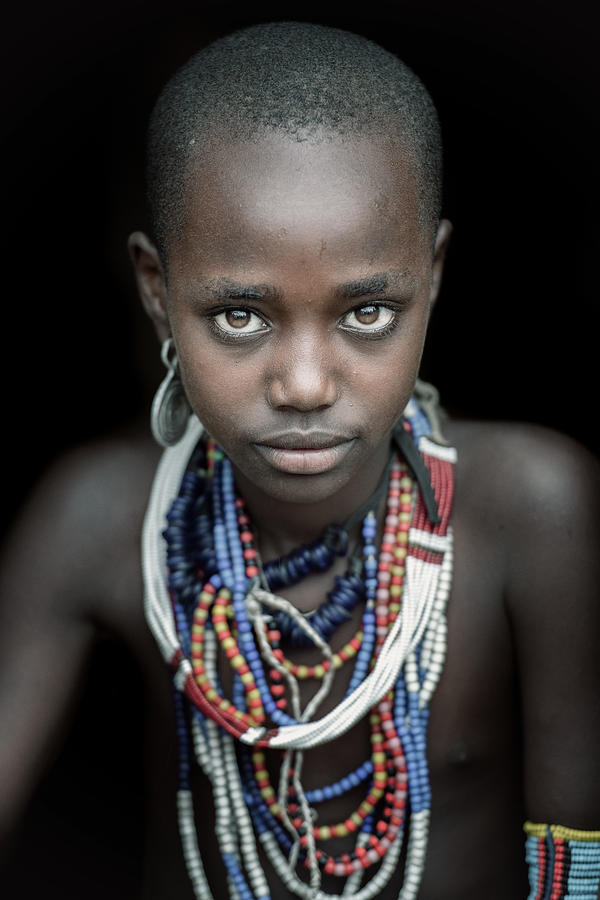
237 318
367 315
371 318
239 322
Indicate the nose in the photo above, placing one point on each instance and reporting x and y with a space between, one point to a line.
303 377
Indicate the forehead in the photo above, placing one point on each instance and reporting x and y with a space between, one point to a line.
354 195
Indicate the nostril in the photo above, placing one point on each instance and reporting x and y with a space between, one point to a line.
304 385
306 395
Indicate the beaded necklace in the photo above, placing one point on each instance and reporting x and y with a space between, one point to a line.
207 592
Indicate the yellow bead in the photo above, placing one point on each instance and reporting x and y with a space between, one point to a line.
319 671
325 832
301 672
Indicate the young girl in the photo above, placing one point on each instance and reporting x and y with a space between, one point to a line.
369 631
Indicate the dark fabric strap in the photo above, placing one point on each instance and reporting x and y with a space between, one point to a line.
414 461
374 500
405 443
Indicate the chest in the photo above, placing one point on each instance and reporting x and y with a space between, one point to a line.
472 746
472 742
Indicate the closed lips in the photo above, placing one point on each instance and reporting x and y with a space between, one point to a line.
304 441
304 454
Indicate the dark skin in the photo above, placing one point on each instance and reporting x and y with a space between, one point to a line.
309 280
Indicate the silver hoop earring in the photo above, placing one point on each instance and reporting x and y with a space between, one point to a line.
170 407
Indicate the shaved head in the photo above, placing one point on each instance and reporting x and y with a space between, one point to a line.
309 82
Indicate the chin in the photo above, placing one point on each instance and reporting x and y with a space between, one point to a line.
303 488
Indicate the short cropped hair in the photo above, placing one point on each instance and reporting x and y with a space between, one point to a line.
300 79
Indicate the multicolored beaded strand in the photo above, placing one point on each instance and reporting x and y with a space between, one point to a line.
346 865
400 650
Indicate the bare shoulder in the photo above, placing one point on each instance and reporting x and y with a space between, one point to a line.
537 493
79 529
69 574
525 472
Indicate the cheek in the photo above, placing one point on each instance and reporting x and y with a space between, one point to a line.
385 379
219 389
385 392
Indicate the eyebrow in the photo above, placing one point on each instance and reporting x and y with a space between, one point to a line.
223 289
373 284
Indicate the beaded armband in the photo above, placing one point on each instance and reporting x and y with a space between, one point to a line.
563 862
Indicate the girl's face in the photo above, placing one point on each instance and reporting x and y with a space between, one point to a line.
299 291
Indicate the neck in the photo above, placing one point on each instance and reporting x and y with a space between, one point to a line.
281 526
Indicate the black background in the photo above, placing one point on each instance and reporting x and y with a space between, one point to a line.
514 335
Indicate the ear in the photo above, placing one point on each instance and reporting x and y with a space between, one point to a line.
151 281
442 240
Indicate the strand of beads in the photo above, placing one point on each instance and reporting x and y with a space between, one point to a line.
274 634
419 629
233 826
563 862
315 557
389 662
389 824
277 605
347 592
388 774
428 678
